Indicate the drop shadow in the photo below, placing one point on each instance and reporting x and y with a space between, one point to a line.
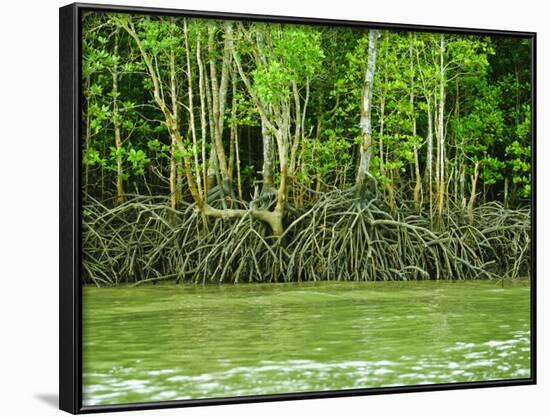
50 399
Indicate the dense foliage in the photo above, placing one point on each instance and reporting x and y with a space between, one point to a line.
232 151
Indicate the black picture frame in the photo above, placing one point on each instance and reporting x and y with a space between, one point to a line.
70 306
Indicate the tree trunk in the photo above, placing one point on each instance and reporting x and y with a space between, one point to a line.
268 187
191 109
268 160
173 183
437 159
238 166
474 179
280 112
212 170
203 118
88 136
233 127
120 197
429 155
462 185
299 122
381 134
417 193
505 198
366 125
441 127
173 126
219 97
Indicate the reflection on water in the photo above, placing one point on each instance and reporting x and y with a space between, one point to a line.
177 341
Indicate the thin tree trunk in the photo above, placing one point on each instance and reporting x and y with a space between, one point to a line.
233 127
219 96
213 172
441 127
462 185
191 109
203 118
268 160
268 182
474 179
297 128
173 182
366 125
234 157
173 126
381 134
437 159
456 140
417 193
88 137
171 114
238 166
388 187
505 199
281 114
120 197
429 155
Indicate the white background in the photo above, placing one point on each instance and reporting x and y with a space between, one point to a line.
29 205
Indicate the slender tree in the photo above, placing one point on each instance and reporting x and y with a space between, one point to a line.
366 123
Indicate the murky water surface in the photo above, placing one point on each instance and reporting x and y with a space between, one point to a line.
170 342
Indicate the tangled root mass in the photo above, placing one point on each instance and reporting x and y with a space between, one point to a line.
144 240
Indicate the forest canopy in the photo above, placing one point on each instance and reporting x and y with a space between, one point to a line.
242 151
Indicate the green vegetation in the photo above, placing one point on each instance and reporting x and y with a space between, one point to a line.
220 151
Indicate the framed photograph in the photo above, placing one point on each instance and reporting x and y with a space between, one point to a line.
261 208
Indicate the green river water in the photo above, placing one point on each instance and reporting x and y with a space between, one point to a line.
169 342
